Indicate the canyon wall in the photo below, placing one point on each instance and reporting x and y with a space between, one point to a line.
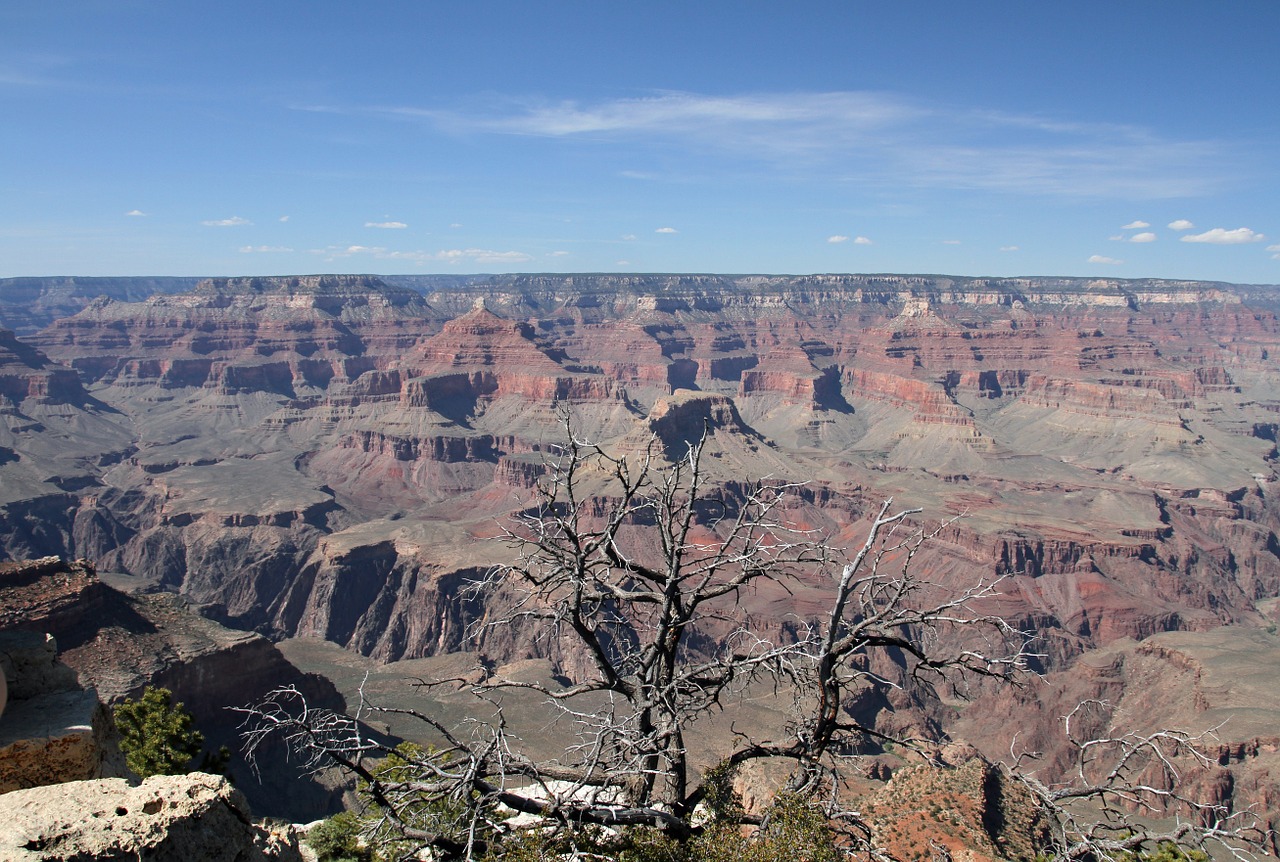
335 456
330 455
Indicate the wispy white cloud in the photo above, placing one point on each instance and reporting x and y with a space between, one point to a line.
628 236
1008 248
683 113
666 230
482 255
284 218
1275 247
264 249
1102 258
622 263
454 255
557 254
135 213
951 242
871 137
34 68
1145 236
862 240
234 221
456 225
1221 236
386 225
837 238
1180 224
14 78
1135 225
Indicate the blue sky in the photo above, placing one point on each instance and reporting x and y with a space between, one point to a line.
1133 139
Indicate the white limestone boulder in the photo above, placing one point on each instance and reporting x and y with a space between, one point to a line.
168 818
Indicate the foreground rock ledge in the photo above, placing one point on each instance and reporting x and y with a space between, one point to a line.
167 819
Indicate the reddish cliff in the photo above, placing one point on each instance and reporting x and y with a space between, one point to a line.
1126 486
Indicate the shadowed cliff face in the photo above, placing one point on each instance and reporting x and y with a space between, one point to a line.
328 455
119 644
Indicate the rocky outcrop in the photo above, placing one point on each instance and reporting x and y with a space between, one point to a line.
679 420
971 811
166 819
120 644
51 730
27 373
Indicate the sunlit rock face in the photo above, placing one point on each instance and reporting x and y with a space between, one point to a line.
53 730
167 817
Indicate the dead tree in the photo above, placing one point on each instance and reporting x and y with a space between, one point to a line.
638 570
1125 794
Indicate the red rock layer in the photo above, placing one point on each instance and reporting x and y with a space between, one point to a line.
1044 409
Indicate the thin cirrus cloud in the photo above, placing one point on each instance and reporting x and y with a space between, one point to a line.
1135 225
862 240
264 249
1222 236
837 238
871 137
386 225
454 256
135 213
1274 248
1102 258
666 230
234 221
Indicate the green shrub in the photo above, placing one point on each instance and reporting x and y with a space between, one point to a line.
441 815
338 839
722 802
157 736
1167 852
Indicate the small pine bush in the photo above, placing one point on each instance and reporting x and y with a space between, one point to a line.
157 736
338 839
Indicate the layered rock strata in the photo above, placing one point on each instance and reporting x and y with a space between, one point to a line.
319 455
